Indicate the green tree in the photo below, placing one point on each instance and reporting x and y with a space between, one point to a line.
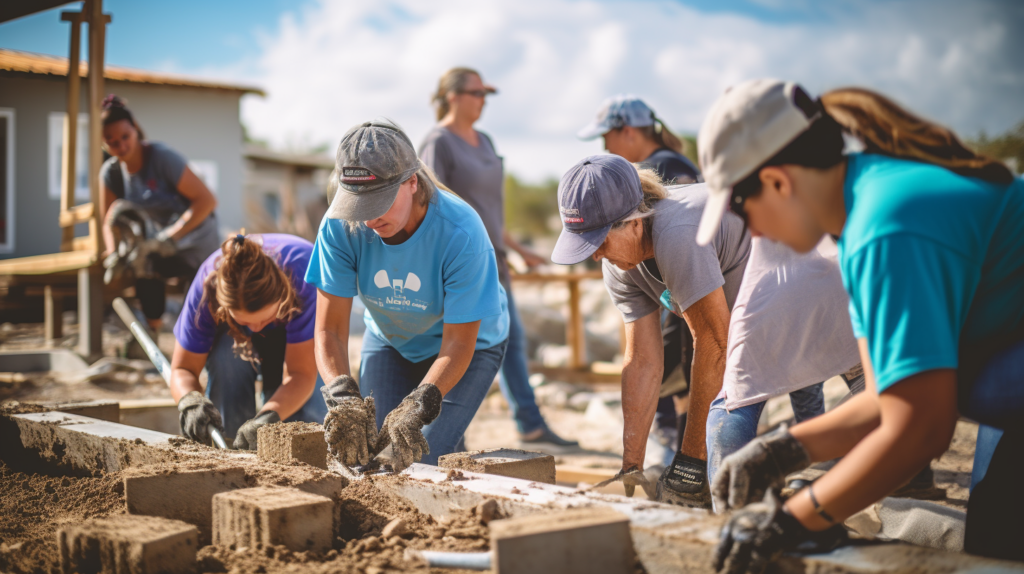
1008 147
529 209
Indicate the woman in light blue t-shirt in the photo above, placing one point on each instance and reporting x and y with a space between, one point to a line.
436 316
931 249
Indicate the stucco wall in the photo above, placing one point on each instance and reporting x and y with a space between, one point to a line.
200 124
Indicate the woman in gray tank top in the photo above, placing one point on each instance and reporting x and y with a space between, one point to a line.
156 183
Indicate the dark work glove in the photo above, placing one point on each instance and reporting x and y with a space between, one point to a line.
762 464
350 427
685 482
760 532
403 427
246 437
196 414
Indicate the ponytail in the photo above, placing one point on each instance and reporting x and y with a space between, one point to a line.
659 133
887 128
246 279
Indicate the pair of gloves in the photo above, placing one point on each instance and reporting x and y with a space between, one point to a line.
760 529
350 428
197 414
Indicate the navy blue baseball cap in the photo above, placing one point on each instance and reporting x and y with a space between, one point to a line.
616 112
596 193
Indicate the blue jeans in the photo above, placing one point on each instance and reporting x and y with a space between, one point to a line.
728 431
389 377
231 384
515 377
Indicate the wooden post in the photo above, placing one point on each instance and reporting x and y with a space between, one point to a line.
69 157
90 281
53 312
287 220
574 332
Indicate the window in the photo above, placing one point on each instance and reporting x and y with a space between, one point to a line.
205 170
6 180
56 145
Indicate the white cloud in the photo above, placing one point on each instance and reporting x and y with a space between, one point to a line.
336 63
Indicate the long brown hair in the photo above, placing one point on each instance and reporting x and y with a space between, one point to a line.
454 80
115 109
887 128
659 133
246 279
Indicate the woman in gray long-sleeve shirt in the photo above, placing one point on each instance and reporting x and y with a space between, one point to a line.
465 161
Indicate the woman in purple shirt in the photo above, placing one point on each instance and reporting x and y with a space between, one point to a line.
248 312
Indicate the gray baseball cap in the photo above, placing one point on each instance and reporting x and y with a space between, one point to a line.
374 158
596 193
747 126
618 111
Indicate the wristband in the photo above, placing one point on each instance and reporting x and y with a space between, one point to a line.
817 507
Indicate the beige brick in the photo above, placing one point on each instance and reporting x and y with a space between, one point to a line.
285 443
273 515
579 541
128 544
515 463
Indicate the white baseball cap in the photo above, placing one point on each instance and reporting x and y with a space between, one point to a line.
747 126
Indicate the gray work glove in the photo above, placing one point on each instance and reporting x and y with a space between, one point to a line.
350 427
403 427
196 414
747 474
685 482
760 532
246 437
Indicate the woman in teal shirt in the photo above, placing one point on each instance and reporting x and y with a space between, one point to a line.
931 248
436 316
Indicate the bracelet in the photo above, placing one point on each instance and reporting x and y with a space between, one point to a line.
817 507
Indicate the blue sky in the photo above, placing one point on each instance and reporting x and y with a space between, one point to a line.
327 64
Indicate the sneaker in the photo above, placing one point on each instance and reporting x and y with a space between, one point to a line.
546 438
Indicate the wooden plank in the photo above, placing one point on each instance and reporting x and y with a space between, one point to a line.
53 311
77 214
97 33
576 376
534 277
46 264
572 474
90 312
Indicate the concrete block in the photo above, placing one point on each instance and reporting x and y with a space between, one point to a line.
109 411
286 443
180 493
272 515
515 463
579 541
128 544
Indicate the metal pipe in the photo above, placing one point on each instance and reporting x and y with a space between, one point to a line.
463 560
154 353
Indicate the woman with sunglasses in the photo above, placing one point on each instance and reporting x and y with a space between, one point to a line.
931 249
465 161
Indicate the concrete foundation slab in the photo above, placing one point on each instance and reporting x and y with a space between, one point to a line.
287 443
580 541
514 463
180 493
268 515
60 360
128 544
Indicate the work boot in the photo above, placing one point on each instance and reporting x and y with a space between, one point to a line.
544 437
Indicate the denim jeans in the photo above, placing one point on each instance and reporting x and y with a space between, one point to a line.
389 377
515 377
996 503
231 382
728 431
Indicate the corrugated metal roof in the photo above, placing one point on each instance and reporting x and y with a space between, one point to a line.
31 63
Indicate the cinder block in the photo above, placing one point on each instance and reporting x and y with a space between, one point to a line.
128 544
535 466
180 493
272 515
578 541
285 443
